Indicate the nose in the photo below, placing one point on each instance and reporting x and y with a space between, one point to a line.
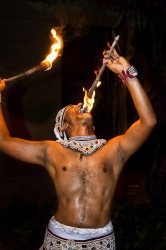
79 105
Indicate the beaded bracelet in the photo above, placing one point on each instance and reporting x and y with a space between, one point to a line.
131 72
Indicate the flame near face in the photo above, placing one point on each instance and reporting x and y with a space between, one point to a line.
89 101
55 48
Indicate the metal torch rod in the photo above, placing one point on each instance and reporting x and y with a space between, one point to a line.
94 85
45 65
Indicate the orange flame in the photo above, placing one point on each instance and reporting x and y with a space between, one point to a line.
54 49
89 102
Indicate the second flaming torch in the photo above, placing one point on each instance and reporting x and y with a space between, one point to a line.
47 63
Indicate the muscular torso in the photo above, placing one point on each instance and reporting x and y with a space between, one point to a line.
84 185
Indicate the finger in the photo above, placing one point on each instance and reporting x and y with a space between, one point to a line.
106 54
112 56
3 81
117 56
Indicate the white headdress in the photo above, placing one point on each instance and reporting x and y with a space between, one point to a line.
59 121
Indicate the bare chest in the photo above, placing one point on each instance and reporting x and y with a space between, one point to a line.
84 169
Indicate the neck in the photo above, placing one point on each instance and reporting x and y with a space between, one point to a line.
80 131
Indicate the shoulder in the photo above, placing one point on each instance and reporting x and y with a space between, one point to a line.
46 146
50 144
114 142
113 147
52 151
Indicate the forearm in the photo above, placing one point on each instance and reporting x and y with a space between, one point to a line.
139 131
4 132
27 151
128 74
141 102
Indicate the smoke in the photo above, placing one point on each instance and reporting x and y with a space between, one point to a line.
72 21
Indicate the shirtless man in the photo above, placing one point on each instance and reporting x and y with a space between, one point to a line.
84 169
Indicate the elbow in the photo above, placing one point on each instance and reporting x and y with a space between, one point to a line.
155 122
152 122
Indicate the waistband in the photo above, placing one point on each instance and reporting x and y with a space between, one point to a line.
76 233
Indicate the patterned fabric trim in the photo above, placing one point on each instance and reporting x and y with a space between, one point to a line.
84 147
54 242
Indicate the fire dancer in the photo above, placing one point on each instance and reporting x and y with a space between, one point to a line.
84 169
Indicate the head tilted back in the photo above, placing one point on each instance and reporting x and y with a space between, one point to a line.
59 121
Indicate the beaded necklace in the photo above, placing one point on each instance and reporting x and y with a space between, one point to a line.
86 145
83 138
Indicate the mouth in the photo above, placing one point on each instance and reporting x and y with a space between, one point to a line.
81 110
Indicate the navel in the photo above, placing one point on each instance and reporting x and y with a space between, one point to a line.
64 168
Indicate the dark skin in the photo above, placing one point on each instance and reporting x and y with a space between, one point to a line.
85 185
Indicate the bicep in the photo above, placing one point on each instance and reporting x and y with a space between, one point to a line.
23 150
134 138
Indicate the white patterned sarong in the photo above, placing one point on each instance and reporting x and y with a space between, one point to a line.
62 237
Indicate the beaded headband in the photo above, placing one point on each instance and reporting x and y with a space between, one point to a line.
59 121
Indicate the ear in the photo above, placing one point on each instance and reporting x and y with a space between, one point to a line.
93 128
64 127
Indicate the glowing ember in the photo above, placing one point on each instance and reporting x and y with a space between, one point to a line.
98 84
54 49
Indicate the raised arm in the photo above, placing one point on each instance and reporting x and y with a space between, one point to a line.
139 131
28 151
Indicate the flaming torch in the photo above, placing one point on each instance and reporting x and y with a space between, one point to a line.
90 95
47 63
